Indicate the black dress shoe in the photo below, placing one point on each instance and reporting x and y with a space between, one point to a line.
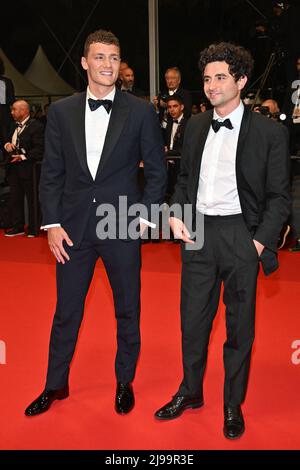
234 425
296 247
45 400
14 232
177 406
124 401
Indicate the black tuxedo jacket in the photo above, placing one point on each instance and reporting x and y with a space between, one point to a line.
67 188
31 140
179 135
262 173
136 92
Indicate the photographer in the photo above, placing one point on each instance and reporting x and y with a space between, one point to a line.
270 109
173 80
25 147
173 138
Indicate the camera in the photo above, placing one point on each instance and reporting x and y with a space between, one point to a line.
17 151
265 111
163 97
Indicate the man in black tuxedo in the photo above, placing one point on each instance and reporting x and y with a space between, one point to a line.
94 143
234 171
174 132
25 148
173 136
128 83
173 86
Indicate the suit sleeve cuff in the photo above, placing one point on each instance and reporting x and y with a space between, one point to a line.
146 222
45 227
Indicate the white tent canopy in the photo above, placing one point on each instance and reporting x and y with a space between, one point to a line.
43 75
23 88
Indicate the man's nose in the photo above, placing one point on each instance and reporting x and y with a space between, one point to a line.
107 62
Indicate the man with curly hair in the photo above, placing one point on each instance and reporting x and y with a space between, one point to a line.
234 172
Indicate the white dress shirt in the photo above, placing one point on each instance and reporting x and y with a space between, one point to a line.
174 130
217 189
18 130
96 124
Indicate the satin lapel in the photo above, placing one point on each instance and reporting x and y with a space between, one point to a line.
243 134
199 147
78 130
119 114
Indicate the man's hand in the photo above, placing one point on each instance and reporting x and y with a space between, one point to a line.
179 229
143 227
259 247
9 147
56 236
155 102
16 158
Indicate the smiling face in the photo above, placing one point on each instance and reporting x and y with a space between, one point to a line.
221 88
102 65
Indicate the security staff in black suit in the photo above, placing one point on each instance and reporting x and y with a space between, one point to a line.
174 134
25 148
94 143
235 172
173 82
128 83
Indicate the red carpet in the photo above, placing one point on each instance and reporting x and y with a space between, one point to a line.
86 420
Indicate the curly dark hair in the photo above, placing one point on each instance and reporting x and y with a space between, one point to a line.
239 59
105 37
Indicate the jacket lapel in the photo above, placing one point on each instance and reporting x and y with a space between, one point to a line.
119 114
199 147
78 130
243 134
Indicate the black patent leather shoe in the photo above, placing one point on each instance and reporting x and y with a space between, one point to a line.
45 400
234 425
177 406
124 401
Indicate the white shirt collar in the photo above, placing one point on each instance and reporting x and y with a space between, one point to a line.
179 119
24 121
235 116
110 96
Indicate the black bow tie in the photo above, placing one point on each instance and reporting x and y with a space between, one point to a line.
217 124
95 104
175 121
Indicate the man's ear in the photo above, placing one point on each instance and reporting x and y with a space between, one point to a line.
242 82
84 63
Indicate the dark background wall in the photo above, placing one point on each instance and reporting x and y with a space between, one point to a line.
186 27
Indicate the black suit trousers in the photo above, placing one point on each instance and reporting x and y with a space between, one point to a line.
122 263
21 184
228 256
